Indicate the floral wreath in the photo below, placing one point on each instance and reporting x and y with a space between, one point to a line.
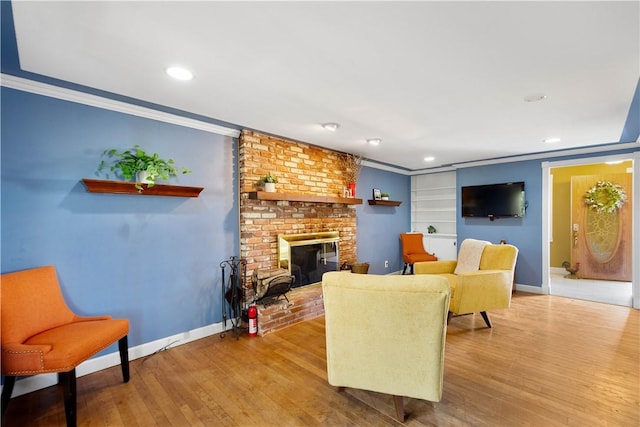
605 197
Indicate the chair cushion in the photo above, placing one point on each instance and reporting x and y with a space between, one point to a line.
413 258
63 348
469 255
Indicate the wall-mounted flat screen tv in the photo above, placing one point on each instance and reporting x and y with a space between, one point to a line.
493 200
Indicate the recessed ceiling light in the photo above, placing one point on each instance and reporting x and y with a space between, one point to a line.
374 141
535 97
179 73
551 140
331 126
429 159
614 162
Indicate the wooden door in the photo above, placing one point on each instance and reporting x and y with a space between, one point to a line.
601 241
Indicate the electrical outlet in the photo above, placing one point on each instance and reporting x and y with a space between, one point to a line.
386 263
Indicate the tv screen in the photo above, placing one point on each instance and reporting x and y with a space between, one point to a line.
494 200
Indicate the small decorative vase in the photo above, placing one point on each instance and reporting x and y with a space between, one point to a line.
270 187
352 189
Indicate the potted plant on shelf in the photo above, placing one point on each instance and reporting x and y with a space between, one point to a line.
269 181
135 163
384 196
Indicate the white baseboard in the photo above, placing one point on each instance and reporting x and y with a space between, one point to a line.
531 289
37 382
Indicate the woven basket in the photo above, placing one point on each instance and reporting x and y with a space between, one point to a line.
360 267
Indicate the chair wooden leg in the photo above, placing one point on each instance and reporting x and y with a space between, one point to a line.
485 316
9 382
399 404
404 270
68 380
449 316
123 346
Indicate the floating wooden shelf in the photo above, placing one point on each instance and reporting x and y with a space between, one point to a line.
384 202
123 187
291 197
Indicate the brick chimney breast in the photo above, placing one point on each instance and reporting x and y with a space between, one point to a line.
300 169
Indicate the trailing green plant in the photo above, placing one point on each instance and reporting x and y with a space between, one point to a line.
384 194
129 163
269 178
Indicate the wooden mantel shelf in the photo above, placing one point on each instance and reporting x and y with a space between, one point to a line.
123 187
291 197
384 202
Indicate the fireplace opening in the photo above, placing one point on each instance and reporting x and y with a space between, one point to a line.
308 256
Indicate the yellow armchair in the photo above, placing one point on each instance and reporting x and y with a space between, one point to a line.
386 333
485 285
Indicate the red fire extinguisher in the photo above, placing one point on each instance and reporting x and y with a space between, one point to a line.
252 313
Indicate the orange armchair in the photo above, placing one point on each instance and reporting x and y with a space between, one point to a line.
413 250
40 334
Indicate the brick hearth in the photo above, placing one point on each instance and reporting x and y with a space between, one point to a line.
301 169
304 303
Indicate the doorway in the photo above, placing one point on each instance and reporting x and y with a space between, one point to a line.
565 234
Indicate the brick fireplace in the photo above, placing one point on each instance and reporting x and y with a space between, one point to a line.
302 170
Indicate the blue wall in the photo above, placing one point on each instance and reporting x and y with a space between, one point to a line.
152 259
525 233
379 227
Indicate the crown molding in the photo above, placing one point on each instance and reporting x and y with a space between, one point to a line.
533 156
385 167
552 154
65 94
433 170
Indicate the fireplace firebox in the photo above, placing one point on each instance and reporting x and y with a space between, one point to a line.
308 256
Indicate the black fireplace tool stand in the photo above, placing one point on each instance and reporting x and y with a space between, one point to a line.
234 272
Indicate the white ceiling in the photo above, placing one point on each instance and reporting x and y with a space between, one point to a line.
442 79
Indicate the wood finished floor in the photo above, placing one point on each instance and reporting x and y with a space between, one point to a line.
548 361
